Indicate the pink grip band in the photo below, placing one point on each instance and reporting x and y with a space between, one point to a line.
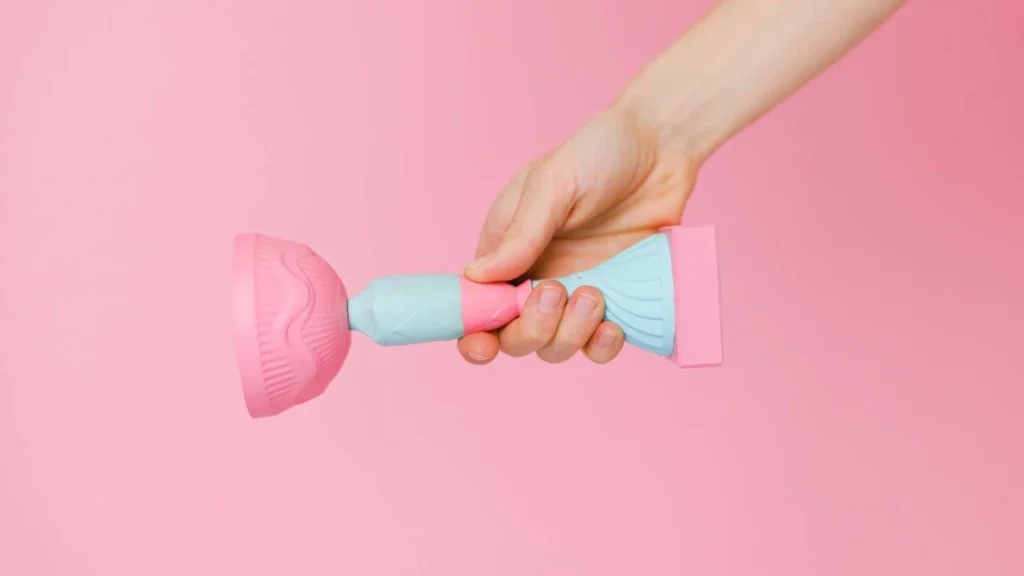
487 307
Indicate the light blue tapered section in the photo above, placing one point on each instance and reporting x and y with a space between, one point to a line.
639 293
409 309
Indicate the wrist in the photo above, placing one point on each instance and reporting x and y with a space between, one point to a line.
674 113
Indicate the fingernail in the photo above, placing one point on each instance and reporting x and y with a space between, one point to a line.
585 305
477 357
606 340
549 299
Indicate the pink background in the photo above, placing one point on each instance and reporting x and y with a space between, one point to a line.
867 421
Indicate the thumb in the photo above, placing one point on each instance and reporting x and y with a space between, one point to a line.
543 208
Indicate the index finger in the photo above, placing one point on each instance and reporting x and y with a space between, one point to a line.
481 348
500 215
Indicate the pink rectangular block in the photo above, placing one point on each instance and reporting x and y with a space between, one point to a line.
697 296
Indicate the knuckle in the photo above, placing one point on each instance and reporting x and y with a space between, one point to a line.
553 355
537 334
574 335
532 243
565 345
513 347
554 178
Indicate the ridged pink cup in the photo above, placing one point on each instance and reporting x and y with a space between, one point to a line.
291 323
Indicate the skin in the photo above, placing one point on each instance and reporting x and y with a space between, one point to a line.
631 169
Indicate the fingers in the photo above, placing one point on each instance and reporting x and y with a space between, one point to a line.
500 215
479 348
552 327
544 205
556 330
582 315
538 323
605 344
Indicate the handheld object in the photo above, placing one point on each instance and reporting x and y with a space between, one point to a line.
294 320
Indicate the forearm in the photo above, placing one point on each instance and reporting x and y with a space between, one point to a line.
740 60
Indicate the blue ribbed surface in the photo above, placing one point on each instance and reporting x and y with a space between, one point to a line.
638 291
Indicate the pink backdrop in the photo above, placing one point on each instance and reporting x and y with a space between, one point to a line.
868 419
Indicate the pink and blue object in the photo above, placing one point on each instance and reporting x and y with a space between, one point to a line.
294 320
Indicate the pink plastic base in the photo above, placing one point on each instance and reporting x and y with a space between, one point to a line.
697 297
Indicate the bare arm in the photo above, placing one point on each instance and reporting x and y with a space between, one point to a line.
741 59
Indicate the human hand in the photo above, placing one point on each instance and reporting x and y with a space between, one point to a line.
609 186
621 177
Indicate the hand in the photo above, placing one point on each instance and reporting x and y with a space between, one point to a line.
621 177
609 186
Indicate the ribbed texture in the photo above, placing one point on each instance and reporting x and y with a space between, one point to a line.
638 292
301 321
